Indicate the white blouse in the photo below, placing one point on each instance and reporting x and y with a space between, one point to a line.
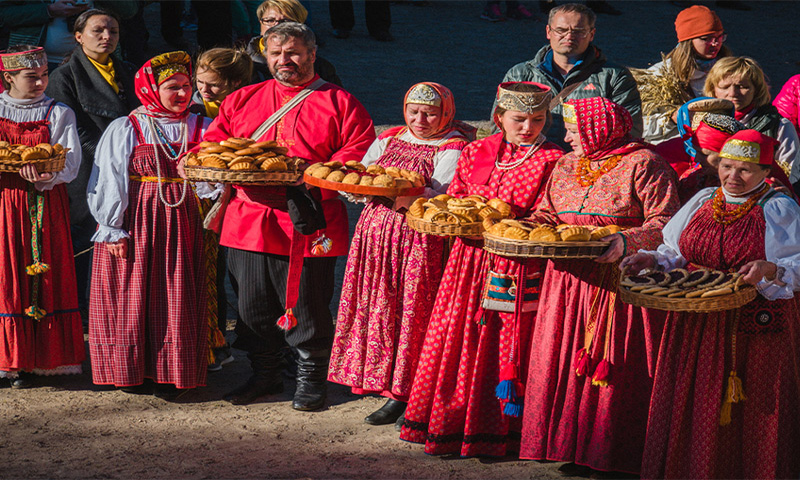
781 240
107 192
63 130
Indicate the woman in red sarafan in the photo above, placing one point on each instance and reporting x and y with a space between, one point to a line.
147 313
589 377
725 395
392 271
40 325
453 407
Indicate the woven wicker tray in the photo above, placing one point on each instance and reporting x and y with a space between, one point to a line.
449 230
50 165
363 189
712 304
508 247
241 177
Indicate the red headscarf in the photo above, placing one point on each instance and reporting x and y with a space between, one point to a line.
443 96
604 128
153 73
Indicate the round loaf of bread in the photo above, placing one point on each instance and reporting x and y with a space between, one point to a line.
351 178
335 176
375 169
321 172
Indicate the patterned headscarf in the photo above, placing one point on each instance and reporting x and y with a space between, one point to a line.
153 73
603 126
714 130
436 95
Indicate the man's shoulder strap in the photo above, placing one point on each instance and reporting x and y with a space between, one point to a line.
288 106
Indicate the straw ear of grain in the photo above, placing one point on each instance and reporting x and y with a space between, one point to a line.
660 92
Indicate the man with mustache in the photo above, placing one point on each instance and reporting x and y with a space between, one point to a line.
575 68
328 125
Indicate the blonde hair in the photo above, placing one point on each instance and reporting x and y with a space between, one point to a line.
291 9
683 61
233 67
742 67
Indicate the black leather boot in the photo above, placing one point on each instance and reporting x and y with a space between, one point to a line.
312 379
388 413
266 380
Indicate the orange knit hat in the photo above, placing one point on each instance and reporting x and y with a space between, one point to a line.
697 21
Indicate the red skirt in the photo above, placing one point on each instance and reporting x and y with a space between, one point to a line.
53 344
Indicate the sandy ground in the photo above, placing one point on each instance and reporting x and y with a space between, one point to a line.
66 427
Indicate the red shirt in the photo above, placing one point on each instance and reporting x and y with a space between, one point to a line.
330 124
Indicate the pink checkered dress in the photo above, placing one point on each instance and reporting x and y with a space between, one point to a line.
146 314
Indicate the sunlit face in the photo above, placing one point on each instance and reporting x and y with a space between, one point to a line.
28 83
739 177
708 46
209 85
176 93
569 33
423 120
708 160
290 62
739 90
100 36
522 128
271 18
573 138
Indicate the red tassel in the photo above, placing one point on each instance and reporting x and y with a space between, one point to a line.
581 362
508 372
602 373
287 320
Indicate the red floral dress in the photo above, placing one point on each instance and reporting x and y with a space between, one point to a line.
453 407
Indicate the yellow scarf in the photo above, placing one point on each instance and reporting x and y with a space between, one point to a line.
261 45
212 108
107 72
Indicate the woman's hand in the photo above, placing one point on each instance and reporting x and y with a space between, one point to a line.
753 272
615 250
637 262
66 8
779 187
179 167
119 248
29 173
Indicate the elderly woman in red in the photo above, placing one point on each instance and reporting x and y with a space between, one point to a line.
589 379
453 407
393 272
725 396
147 312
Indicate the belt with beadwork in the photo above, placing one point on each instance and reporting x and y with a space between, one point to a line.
137 178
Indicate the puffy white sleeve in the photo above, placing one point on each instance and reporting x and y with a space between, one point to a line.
375 151
107 192
782 247
444 168
788 150
64 130
668 255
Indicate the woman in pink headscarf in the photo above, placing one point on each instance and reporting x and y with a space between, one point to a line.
393 272
589 383
146 314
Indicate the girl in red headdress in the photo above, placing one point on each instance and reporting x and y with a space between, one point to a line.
393 272
147 317
471 344
40 325
726 388
589 376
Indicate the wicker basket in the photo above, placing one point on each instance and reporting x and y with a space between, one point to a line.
49 165
700 305
509 247
444 230
241 177
363 189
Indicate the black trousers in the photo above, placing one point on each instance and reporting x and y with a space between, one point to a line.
262 294
377 12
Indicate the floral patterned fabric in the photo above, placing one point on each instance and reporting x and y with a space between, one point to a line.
453 407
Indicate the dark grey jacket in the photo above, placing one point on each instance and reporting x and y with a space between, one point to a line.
607 79
79 85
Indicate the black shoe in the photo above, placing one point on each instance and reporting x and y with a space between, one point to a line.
572 469
22 381
382 36
388 413
255 388
312 383
398 425
145 388
168 391
343 34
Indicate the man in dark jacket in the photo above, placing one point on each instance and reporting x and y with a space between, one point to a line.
571 63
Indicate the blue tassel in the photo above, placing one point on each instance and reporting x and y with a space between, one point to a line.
512 409
505 390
